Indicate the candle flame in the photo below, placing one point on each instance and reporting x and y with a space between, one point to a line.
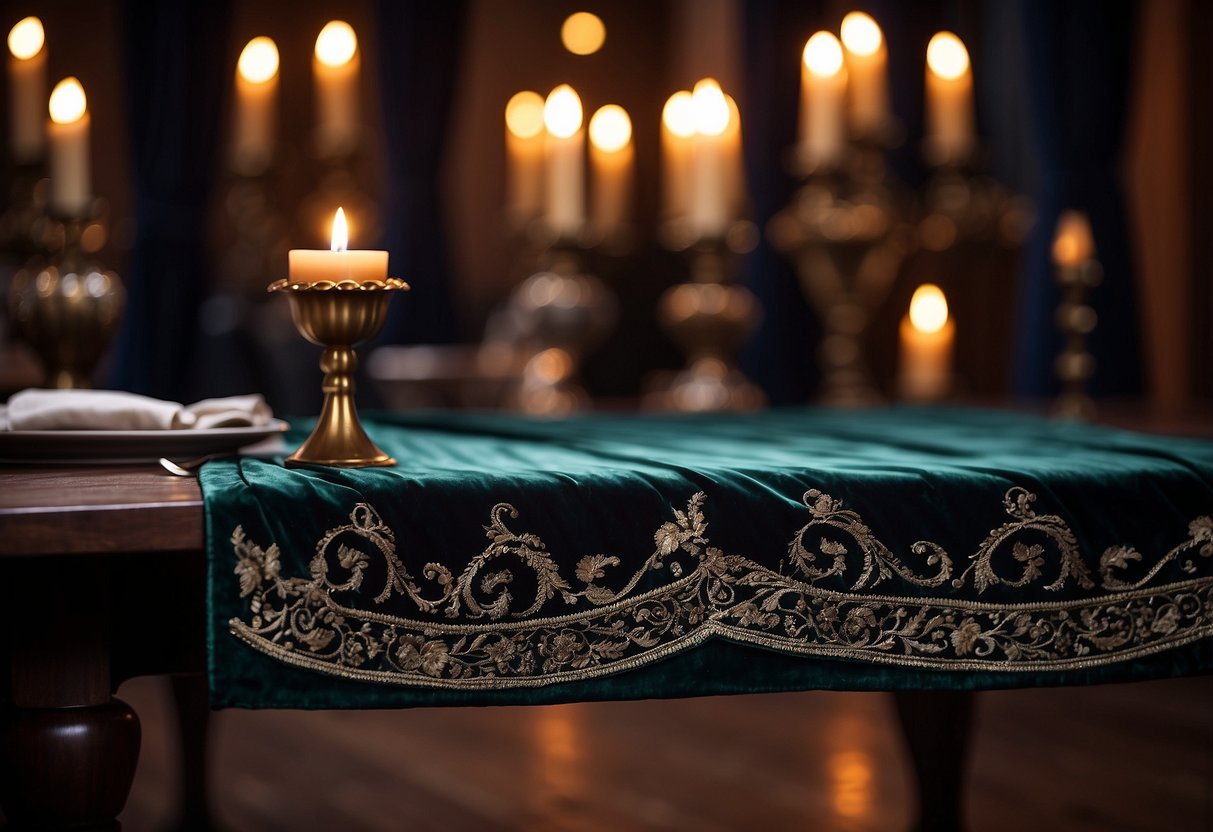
678 116
336 44
947 56
1072 243
524 114
861 34
68 103
341 232
709 108
823 55
583 33
562 112
928 308
258 60
610 128
25 39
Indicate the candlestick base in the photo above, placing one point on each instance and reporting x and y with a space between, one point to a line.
338 316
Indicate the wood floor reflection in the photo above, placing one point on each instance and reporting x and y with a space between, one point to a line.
1123 757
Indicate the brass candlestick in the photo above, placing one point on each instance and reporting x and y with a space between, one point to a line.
338 316
1076 319
69 309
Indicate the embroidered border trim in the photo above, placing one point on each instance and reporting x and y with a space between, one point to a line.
299 621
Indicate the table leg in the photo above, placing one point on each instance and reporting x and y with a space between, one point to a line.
936 725
67 748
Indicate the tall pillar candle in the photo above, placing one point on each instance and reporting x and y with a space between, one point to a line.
339 263
677 150
524 157
564 151
68 133
823 83
733 161
950 132
612 160
336 70
709 210
27 90
867 64
927 338
256 107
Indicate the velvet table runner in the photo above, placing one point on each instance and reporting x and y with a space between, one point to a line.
505 560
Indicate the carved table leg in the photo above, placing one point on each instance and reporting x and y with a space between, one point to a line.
193 722
67 748
936 725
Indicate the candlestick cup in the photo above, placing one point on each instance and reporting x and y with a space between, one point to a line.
338 316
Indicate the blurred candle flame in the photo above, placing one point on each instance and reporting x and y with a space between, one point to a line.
68 103
610 128
524 114
678 116
258 60
823 55
562 112
709 108
336 44
1073 244
861 34
928 308
26 38
947 56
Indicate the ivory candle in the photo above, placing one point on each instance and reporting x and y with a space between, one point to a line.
927 336
949 100
338 263
612 159
256 107
27 89
677 150
867 64
564 148
524 157
823 83
709 213
71 188
335 69
734 164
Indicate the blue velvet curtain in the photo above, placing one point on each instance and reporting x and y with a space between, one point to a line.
418 62
1079 62
177 66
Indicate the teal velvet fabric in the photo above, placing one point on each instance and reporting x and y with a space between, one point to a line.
507 560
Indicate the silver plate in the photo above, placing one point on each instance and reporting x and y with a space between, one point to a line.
61 446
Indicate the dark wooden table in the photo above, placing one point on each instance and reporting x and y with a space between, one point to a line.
102 578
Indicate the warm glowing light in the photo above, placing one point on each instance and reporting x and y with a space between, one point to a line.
610 128
709 108
562 112
336 43
823 54
68 103
524 114
26 38
341 232
947 56
583 33
258 61
861 34
678 115
1073 244
928 308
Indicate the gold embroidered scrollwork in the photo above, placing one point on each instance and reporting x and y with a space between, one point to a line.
485 638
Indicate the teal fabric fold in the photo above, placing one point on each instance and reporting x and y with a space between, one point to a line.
508 560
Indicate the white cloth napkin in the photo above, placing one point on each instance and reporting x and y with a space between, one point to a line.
114 410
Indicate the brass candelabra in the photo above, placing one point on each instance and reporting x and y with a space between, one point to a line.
338 316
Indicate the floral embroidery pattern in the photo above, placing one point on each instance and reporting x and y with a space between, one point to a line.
478 635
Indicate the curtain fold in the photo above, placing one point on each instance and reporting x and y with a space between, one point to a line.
175 61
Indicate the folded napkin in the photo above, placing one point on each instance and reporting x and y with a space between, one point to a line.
114 410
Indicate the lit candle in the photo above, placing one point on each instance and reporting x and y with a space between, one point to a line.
338 263
949 100
27 89
524 155
734 164
71 188
677 150
336 70
927 335
823 83
564 148
1073 244
256 106
611 163
867 63
709 213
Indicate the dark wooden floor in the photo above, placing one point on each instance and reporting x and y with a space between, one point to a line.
1112 758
